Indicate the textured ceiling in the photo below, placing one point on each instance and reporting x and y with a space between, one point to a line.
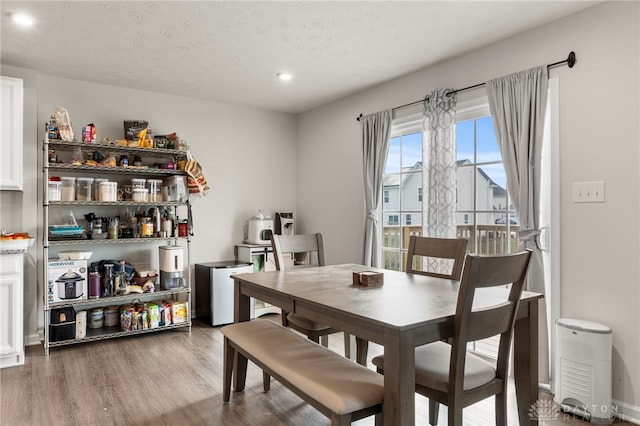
231 51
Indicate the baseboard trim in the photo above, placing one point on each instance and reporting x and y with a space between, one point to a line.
32 339
627 412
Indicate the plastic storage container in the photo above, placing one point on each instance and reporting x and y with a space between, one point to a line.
138 183
155 189
68 188
140 194
54 190
108 191
83 188
96 187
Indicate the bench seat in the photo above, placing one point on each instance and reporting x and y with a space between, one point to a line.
339 388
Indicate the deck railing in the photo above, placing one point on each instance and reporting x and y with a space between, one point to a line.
483 239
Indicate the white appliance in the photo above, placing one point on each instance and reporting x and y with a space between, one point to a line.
171 267
583 369
260 229
285 224
215 290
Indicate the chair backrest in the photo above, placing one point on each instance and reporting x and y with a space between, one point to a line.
471 325
438 248
311 244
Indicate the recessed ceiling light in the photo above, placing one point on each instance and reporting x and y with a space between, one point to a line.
284 76
22 19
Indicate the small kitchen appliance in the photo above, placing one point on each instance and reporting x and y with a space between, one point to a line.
171 267
284 224
260 229
70 285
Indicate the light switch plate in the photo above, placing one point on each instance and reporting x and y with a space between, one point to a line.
588 192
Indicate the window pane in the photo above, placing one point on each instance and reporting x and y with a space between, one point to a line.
412 182
392 260
464 140
465 188
390 193
411 150
393 158
487 144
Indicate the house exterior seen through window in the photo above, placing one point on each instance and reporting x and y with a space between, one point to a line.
482 215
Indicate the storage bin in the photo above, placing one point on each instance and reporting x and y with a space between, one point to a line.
63 324
96 187
83 188
68 188
54 190
108 191
155 189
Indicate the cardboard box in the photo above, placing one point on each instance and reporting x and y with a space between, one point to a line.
66 280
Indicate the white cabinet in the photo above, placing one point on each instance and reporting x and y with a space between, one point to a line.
11 310
11 134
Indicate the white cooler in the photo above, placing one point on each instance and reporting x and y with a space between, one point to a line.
583 369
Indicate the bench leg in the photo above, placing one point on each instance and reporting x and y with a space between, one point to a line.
379 419
266 381
324 340
344 420
229 355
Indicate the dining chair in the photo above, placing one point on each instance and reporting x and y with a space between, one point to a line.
422 249
304 250
449 374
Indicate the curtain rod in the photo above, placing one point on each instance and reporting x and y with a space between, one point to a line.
570 61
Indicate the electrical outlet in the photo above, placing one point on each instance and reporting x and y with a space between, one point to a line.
588 192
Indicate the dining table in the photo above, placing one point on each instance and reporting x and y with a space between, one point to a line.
403 312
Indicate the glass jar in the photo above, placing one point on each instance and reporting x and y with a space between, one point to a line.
68 188
113 228
83 188
146 227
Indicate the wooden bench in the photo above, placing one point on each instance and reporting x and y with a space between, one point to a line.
337 387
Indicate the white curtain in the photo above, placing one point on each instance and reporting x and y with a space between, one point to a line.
518 105
439 170
376 131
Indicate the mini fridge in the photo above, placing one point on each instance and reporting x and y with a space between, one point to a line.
214 290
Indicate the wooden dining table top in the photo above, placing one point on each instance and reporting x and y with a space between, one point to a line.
402 301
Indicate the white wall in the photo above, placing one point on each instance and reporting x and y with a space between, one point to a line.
248 156
599 110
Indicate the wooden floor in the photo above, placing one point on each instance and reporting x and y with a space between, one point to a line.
168 378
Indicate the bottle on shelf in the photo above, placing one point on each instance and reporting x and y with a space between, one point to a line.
108 285
121 279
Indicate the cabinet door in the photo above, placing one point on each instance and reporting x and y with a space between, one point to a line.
11 310
11 134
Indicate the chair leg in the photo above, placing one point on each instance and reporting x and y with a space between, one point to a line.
229 356
324 340
379 419
266 381
347 345
434 408
501 409
362 347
